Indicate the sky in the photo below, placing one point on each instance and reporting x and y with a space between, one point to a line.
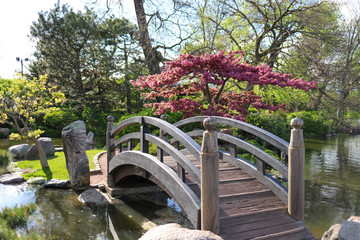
16 17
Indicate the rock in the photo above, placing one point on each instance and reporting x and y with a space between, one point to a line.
92 196
77 163
332 233
174 231
48 146
56 183
90 143
350 229
4 132
11 179
18 151
36 180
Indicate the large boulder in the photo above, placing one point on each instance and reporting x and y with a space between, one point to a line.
77 163
174 231
332 233
57 183
92 197
19 151
47 145
4 132
348 230
11 179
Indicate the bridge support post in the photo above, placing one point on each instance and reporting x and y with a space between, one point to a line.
210 178
110 150
296 154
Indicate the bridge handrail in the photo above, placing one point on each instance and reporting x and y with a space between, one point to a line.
257 152
261 133
172 130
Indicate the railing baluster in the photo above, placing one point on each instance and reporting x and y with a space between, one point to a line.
233 151
210 178
130 145
296 157
109 147
144 145
164 136
260 166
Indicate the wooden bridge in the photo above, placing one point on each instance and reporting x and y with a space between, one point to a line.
218 190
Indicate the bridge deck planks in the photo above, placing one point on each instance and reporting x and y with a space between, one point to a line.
248 210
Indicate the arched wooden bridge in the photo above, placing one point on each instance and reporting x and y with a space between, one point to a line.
249 203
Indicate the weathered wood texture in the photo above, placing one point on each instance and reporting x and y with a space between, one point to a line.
210 178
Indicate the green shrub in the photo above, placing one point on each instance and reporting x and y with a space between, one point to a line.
315 123
5 158
152 149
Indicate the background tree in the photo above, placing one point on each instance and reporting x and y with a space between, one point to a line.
196 85
84 55
19 99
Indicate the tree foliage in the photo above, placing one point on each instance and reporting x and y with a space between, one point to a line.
199 85
86 56
19 99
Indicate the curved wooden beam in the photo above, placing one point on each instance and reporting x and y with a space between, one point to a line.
261 133
133 135
165 176
172 130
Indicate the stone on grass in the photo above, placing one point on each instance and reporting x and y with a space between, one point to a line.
174 231
77 163
90 143
11 179
56 183
92 196
36 180
48 146
18 151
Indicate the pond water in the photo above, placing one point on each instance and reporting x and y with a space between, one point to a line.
6 143
332 187
59 215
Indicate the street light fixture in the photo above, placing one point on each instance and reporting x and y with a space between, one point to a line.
22 64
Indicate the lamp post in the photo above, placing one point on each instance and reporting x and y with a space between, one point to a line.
22 64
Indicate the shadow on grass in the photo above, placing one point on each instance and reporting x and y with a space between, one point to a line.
48 173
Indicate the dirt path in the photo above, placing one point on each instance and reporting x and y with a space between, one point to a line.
100 178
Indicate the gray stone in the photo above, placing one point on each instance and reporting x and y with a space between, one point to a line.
11 179
36 180
174 231
18 151
56 183
90 143
77 163
5 132
332 233
350 229
92 196
48 146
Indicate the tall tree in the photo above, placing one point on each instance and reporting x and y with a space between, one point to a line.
82 54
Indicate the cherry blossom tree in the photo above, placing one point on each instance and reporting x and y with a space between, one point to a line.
203 85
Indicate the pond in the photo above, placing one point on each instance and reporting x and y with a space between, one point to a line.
59 215
332 187
6 143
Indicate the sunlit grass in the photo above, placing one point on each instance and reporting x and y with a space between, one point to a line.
57 166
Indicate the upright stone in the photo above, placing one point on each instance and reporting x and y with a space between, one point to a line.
90 143
77 163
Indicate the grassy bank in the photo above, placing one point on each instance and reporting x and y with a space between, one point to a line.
57 166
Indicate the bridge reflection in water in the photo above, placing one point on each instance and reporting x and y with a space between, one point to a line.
236 199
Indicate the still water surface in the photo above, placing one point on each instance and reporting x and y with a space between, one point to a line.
332 172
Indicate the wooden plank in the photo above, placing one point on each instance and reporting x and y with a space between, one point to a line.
265 231
297 233
244 186
239 219
234 196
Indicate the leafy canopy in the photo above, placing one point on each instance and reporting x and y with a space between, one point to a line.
196 85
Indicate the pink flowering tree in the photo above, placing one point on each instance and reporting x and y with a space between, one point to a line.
201 85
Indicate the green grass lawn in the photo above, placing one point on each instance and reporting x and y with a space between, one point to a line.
57 166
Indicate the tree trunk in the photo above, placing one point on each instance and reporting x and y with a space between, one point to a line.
42 154
152 56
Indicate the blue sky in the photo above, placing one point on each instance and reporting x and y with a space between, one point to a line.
16 17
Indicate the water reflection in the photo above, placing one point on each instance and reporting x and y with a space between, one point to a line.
332 175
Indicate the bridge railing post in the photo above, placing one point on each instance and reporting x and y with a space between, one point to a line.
109 148
296 160
210 178
164 136
144 145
